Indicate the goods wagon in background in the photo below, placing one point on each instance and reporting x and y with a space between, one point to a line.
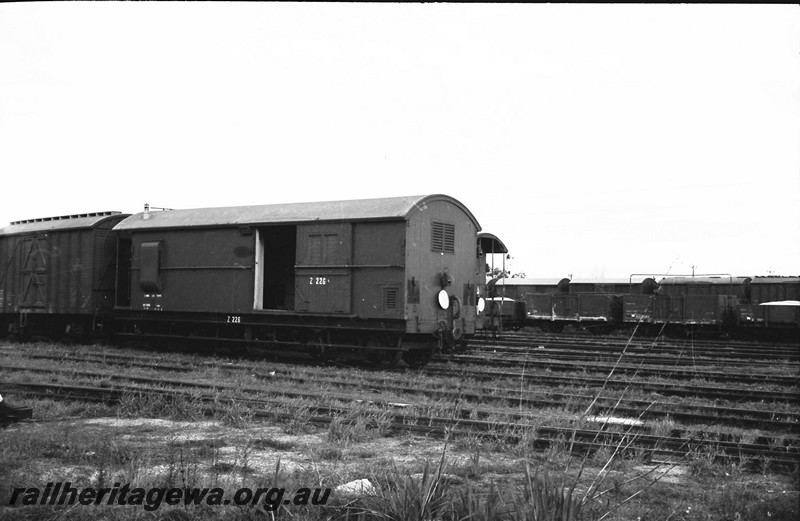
774 305
709 302
678 305
57 274
593 304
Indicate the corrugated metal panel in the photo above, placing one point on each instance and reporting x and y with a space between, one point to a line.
325 211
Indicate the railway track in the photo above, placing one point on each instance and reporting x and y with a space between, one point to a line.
663 389
472 396
783 458
682 358
525 375
711 349
556 365
668 341
584 381
640 369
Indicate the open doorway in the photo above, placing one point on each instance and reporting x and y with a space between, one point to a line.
275 259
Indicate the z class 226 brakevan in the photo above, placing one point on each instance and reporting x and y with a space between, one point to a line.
382 279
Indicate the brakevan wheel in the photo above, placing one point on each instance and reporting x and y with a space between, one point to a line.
417 358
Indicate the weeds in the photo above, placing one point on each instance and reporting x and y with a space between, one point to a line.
298 420
170 405
432 495
358 425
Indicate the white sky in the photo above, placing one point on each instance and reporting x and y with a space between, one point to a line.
598 140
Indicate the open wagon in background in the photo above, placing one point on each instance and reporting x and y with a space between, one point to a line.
592 304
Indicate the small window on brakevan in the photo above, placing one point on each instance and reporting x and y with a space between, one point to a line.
322 248
443 237
149 266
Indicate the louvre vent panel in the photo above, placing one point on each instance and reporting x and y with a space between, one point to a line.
443 237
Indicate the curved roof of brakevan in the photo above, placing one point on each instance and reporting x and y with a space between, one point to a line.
388 208
62 222
491 244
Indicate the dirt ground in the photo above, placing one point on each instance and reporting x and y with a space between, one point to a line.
152 452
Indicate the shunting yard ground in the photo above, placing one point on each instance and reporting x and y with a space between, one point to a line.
168 442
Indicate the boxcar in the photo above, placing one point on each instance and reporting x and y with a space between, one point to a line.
57 273
774 289
774 304
707 286
386 274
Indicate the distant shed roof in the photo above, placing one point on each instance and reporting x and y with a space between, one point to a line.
602 281
63 222
718 279
775 280
387 208
529 282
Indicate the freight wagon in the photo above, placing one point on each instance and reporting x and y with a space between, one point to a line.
57 274
774 306
713 305
593 304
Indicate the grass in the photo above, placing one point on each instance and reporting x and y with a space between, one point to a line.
474 477
468 480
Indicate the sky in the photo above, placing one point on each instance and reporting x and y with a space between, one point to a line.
594 140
